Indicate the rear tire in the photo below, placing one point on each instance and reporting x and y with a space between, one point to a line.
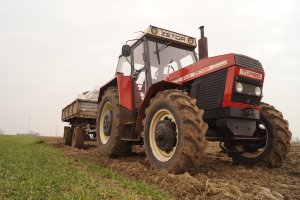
78 138
277 145
109 127
67 139
174 110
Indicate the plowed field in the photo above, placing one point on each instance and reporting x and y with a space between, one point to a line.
219 177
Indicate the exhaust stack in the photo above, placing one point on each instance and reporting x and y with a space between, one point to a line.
202 45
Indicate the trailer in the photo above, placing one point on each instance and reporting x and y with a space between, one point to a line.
81 115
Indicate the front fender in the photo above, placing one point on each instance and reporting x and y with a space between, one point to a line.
157 87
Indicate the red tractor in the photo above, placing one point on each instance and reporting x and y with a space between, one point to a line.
166 98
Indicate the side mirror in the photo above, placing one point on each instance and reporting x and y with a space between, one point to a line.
126 50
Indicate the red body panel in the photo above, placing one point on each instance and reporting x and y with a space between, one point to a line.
177 78
210 65
202 67
124 84
125 91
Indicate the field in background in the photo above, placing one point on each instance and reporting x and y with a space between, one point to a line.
30 169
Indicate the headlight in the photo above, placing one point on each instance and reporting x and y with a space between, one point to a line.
257 91
239 87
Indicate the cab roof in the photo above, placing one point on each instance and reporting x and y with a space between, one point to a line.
164 34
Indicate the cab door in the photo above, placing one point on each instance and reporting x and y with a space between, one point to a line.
139 78
124 81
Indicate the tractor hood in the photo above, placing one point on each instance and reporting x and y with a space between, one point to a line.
212 64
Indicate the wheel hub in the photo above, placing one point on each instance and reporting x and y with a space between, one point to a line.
107 123
165 135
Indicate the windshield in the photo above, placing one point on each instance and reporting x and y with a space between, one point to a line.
166 58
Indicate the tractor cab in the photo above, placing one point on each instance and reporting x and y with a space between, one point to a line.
153 56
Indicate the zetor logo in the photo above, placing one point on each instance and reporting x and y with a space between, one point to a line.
172 36
250 74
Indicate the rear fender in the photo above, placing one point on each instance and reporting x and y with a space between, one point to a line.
157 87
124 85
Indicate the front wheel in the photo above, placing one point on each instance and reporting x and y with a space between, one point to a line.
273 149
174 132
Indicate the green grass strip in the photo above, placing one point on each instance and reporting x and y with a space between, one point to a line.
30 169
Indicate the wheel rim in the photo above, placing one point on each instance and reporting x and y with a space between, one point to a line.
159 154
104 137
258 151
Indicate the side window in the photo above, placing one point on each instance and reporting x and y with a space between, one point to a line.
138 56
124 66
139 63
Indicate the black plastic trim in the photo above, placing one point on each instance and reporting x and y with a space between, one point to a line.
248 113
209 90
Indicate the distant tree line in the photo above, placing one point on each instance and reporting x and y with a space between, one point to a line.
31 133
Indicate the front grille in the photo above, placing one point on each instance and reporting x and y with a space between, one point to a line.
209 90
247 62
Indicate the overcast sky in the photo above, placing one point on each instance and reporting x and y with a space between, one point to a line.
50 51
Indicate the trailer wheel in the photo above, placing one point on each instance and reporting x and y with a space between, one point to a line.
67 139
78 138
273 151
109 127
174 132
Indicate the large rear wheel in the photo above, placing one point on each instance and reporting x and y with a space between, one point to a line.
174 132
271 151
109 127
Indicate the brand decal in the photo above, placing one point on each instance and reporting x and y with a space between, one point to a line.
201 71
172 36
162 33
250 74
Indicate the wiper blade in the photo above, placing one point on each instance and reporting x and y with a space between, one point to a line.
161 48
157 53
158 50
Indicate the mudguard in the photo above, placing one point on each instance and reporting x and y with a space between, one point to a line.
124 85
157 87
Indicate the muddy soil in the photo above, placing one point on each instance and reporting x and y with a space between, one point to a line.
219 177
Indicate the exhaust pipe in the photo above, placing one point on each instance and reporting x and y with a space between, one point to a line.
202 45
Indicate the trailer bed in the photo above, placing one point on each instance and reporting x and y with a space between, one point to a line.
80 110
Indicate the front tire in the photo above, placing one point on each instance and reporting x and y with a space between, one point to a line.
277 145
174 132
109 127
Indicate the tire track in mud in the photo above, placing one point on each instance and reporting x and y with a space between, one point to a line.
218 178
